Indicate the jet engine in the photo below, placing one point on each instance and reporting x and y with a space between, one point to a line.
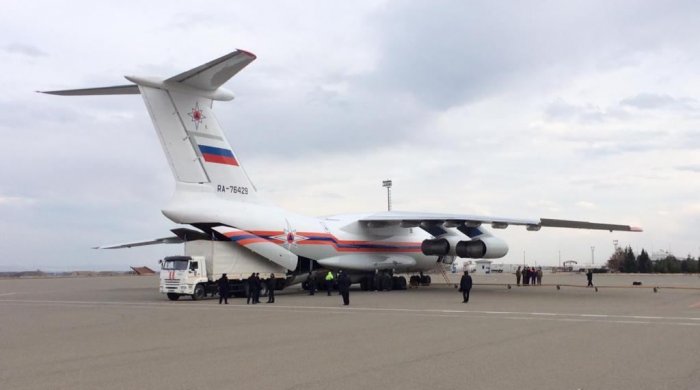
442 246
436 247
482 248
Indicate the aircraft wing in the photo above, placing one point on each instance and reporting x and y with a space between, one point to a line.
428 221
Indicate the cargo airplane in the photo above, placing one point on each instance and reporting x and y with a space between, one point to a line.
217 199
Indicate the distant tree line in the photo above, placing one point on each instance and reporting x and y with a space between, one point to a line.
624 260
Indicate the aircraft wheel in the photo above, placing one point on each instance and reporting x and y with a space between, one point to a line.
173 296
198 292
401 283
366 283
425 280
414 281
387 282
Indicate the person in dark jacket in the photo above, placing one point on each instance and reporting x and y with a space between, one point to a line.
223 289
271 283
526 276
250 287
517 276
465 285
311 282
589 276
344 287
257 286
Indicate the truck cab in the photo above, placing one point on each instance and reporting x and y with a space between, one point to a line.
184 275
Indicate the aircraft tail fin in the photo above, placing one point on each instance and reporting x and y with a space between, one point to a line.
181 108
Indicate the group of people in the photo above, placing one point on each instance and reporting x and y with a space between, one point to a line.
253 288
255 285
343 284
529 276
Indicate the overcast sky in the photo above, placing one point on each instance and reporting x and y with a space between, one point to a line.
579 110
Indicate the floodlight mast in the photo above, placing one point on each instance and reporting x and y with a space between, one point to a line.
387 184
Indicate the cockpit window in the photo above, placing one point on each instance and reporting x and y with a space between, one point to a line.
177 265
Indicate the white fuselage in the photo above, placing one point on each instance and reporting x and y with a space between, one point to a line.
315 238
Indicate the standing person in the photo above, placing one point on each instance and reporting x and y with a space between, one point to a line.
249 288
465 285
526 276
344 287
517 276
589 276
271 282
223 288
257 286
539 276
311 282
329 282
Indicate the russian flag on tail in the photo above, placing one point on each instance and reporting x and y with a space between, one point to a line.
218 155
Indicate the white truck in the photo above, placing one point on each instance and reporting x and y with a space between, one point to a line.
195 273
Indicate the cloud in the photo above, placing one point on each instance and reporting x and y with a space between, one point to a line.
468 106
586 205
646 101
560 110
24 50
689 168
16 201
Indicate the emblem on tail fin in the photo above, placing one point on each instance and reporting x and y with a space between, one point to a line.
197 115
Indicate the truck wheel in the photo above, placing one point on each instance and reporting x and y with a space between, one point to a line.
198 292
173 296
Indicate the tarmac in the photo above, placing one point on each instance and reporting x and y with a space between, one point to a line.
121 333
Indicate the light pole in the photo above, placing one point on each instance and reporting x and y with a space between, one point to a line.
592 255
387 184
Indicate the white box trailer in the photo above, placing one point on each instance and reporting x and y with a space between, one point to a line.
195 273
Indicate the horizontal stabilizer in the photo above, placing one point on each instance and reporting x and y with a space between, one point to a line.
164 240
130 89
214 74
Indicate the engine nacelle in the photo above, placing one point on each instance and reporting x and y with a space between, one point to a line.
436 247
443 246
482 248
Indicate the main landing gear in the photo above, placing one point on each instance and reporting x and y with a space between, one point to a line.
382 281
420 280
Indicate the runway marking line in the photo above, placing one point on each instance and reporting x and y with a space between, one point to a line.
6 294
572 317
